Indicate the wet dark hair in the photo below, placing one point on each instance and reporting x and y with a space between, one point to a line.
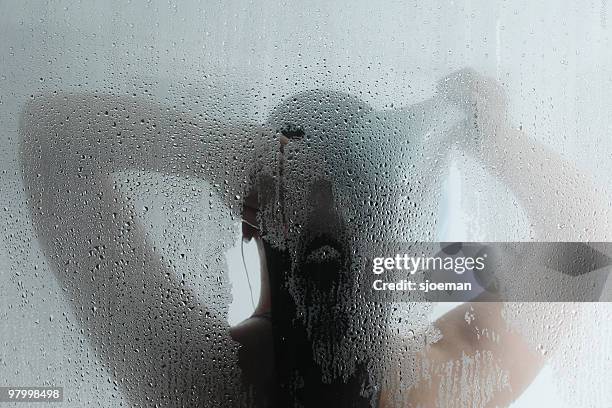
296 116
311 114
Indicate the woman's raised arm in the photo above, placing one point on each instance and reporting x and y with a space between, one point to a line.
161 346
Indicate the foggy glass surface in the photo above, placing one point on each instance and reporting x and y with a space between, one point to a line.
132 133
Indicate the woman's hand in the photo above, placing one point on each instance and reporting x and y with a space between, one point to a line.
484 103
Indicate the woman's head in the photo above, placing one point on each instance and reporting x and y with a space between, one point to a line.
331 199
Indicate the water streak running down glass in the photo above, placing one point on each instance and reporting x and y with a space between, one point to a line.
144 143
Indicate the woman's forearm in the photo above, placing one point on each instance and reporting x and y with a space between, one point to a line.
561 202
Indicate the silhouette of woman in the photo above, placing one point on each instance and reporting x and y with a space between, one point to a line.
320 181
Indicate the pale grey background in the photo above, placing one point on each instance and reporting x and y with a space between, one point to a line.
552 57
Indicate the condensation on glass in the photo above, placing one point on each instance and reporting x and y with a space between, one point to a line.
170 168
